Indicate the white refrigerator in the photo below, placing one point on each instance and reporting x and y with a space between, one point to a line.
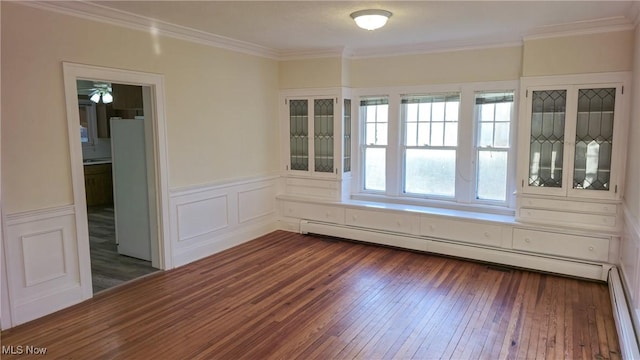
130 188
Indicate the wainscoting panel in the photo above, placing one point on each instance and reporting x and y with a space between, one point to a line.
42 262
255 203
209 219
630 261
202 216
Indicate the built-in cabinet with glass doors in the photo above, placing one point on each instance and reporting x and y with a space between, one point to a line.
317 142
572 157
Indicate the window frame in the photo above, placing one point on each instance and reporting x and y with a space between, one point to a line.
362 122
404 146
509 150
466 155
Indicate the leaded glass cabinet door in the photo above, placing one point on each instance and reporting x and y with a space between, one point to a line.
547 162
323 135
593 166
299 135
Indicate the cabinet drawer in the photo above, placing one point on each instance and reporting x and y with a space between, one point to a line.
459 230
575 246
581 206
381 220
559 217
314 212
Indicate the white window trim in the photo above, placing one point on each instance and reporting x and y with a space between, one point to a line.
465 159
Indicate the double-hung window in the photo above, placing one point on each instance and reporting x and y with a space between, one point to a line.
430 144
374 115
493 112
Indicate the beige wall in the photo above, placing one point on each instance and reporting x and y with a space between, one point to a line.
603 52
311 73
221 106
632 192
492 64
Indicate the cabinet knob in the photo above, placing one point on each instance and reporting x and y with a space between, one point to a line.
399 223
606 208
354 217
486 234
328 214
432 228
590 248
527 240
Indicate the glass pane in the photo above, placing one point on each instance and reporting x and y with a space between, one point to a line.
376 124
347 136
547 138
374 169
501 136
594 137
412 134
299 134
430 172
323 135
492 175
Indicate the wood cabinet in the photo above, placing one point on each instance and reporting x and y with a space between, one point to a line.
98 184
572 149
127 97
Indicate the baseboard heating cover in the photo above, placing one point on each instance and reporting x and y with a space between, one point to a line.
472 251
627 335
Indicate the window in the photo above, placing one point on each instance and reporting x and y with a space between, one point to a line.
443 145
430 143
374 113
493 120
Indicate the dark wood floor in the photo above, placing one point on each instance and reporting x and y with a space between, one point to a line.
108 268
287 296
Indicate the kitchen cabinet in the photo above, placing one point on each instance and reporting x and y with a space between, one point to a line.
127 97
572 141
98 184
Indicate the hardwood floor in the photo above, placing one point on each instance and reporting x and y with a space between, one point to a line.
286 296
108 268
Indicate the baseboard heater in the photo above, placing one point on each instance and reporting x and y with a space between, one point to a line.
627 334
585 269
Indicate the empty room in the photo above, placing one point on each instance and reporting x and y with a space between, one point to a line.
320 179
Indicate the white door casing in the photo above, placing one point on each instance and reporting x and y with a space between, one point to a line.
155 82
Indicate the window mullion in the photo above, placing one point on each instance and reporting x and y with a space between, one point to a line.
466 156
394 148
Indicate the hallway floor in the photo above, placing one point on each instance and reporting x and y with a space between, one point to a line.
108 268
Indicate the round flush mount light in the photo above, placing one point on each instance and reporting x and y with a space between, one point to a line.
371 19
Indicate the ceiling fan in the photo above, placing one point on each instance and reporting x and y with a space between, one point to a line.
101 91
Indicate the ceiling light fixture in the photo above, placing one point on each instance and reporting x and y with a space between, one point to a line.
101 91
371 19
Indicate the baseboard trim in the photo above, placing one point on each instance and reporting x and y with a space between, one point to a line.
622 315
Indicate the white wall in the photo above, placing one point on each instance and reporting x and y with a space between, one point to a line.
221 105
630 245
578 54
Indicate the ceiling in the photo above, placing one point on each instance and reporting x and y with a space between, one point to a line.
290 26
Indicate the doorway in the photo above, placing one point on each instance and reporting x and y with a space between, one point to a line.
96 226
119 201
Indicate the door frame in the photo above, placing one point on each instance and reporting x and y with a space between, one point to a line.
155 82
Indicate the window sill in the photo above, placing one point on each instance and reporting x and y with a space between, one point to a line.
367 201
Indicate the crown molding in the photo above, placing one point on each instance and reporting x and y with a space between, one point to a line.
576 28
96 12
429 48
303 54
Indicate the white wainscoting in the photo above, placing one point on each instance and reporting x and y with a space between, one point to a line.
208 219
42 262
630 264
